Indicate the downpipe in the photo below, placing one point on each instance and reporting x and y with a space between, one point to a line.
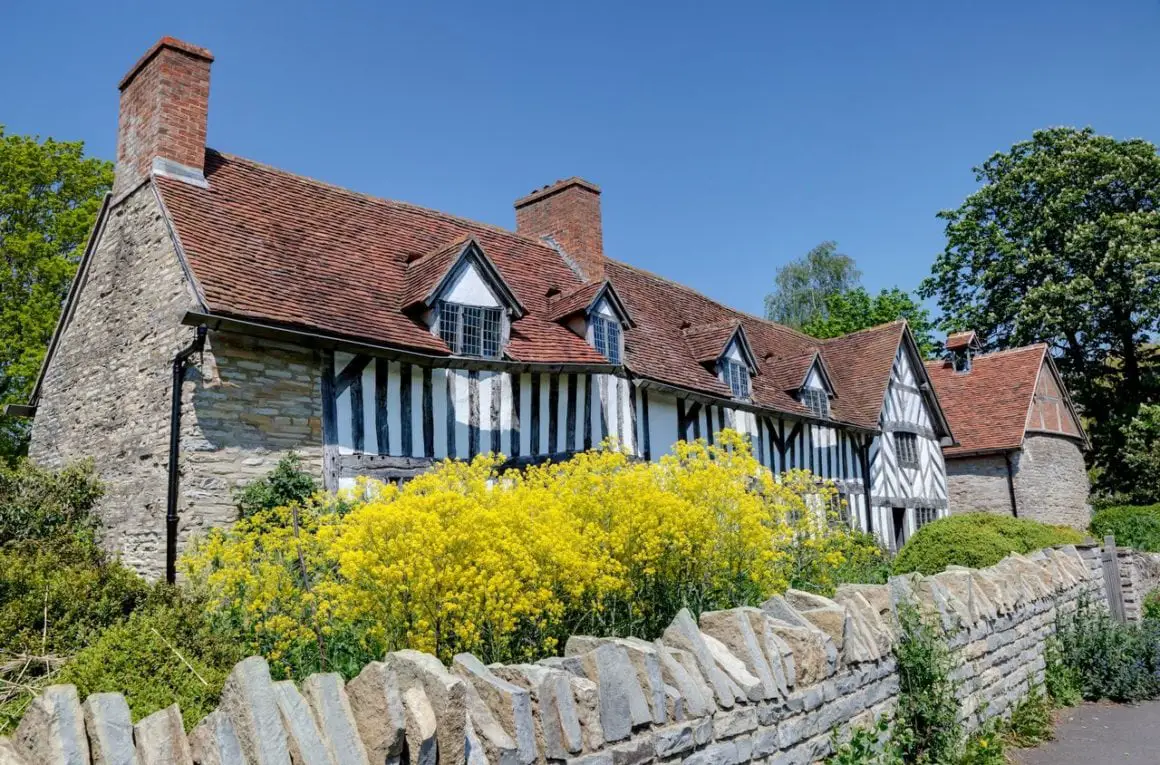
180 362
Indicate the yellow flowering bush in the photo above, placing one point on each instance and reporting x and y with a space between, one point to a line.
506 564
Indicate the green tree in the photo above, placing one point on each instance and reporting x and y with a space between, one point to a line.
50 194
802 286
1061 245
856 309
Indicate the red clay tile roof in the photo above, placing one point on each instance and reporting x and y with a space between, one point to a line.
425 272
573 301
859 364
987 407
957 340
268 245
789 374
274 247
708 341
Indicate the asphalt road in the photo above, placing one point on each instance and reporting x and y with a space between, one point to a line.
1091 734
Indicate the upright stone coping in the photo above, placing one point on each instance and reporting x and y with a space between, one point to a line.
736 686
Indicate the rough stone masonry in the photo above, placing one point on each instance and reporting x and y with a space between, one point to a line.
746 685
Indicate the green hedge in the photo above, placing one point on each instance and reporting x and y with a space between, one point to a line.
1137 526
977 540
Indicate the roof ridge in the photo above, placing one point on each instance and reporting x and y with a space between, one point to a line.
865 330
709 325
383 200
1017 349
718 303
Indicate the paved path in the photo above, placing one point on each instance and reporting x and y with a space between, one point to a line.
1092 734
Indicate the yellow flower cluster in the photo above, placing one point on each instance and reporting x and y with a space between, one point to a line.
507 564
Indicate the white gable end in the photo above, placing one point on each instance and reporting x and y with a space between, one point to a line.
604 309
814 378
733 353
469 288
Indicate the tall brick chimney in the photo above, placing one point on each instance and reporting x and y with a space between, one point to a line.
568 211
164 106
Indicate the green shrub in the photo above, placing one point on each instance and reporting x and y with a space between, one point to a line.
927 727
1061 681
166 653
1137 527
860 557
287 483
41 504
866 746
976 540
1030 723
1112 660
1152 605
983 747
56 597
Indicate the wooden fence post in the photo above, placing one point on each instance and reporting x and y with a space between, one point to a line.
1112 584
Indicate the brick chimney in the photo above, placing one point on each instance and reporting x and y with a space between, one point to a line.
164 105
568 212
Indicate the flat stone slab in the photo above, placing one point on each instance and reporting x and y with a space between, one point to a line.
109 726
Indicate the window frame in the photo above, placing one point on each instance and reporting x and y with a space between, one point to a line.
743 391
924 515
601 326
457 340
810 394
908 457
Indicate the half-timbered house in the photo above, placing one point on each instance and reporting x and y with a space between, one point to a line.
375 337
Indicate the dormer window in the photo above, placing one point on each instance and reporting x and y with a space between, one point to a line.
606 337
594 312
471 330
461 297
816 400
736 375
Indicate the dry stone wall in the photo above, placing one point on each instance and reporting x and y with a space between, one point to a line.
747 685
1139 575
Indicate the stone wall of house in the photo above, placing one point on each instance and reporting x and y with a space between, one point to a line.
978 484
760 685
249 402
1051 482
105 394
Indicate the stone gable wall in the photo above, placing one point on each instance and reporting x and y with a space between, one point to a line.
106 391
106 394
747 685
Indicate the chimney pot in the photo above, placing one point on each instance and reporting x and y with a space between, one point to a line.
568 212
164 109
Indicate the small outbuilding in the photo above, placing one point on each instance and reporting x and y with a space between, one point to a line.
1019 442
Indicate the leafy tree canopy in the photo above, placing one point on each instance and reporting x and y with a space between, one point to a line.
856 309
1061 244
50 194
802 286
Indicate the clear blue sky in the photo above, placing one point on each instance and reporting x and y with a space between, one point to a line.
728 137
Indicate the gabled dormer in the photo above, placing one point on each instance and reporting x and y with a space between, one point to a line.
724 348
805 378
817 388
461 296
595 312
